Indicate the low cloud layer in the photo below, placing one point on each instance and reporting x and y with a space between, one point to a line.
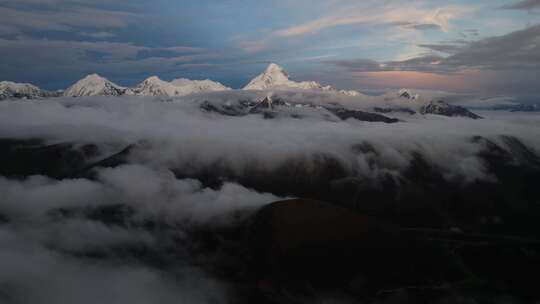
180 134
45 254
32 272
53 245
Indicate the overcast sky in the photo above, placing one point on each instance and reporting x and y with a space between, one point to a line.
485 46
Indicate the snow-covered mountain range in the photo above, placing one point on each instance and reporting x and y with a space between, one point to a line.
153 86
95 85
273 80
10 89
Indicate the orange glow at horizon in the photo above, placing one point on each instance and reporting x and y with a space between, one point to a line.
414 79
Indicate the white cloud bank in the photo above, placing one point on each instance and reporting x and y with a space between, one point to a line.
179 134
39 254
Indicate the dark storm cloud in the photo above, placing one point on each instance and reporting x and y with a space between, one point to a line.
524 5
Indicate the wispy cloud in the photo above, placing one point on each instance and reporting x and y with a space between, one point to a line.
381 14
317 58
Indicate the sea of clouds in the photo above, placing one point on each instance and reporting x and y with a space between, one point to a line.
42 257
178 133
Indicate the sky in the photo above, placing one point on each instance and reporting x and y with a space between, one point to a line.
489 47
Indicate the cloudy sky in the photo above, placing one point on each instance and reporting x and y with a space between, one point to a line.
484 46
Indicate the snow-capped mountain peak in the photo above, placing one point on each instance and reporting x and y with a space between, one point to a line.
94 77
153 79
95 85
188 86
9 89
273 76
153 86
277 72
275 68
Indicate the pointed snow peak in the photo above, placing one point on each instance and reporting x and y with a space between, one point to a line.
274 66
273 76
154 86
153 79
95 85
94 78
273 69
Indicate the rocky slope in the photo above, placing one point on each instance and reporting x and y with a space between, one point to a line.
442 108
